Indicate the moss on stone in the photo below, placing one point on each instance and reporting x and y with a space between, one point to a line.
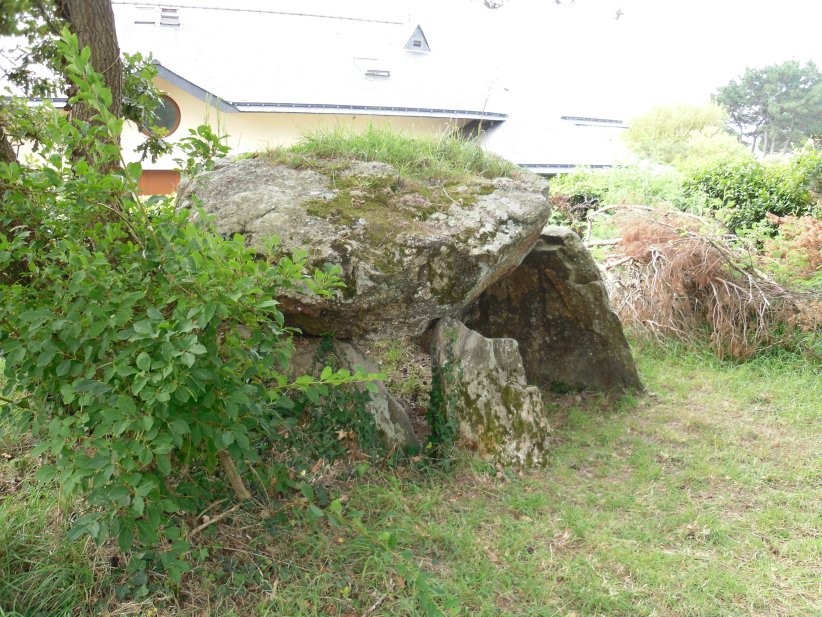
379 208
373 198
512 398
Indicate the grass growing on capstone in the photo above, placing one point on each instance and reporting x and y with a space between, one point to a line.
433 176
441 158
699 499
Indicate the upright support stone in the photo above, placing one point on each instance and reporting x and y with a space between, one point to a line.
389 416
556 306
482 382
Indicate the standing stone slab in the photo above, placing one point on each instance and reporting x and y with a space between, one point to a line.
483 384
556 306
390 417
392 421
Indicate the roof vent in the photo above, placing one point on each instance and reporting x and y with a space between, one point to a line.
153 15
377 73
169 17
417 42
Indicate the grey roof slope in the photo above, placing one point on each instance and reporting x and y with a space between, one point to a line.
280 56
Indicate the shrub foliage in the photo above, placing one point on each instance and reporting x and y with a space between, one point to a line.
739 193
747 191
143 350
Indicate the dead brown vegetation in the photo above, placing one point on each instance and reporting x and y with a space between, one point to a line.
798 235
679 277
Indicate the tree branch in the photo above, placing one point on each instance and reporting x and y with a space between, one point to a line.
230 470
213 520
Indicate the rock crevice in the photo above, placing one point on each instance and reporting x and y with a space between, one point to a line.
556 306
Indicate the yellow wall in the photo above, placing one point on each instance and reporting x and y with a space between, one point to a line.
254 131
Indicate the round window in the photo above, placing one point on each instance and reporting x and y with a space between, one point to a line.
167 115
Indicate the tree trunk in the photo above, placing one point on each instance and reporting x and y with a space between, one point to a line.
7 154
93 23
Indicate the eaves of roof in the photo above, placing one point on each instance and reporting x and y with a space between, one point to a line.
319 108
377 110
559 168
193 89
588 121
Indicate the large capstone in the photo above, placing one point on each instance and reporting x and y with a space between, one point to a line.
482 384
410 251
556 306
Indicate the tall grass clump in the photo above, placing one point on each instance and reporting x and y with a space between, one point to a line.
446 157
40 573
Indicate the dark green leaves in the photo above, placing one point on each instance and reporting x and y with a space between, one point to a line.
143 361
746 192
127 329
775 106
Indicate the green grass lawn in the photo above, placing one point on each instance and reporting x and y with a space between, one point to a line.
702 498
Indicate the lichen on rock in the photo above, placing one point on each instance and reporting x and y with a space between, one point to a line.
411 251
483 382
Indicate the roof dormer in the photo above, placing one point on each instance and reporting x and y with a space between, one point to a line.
417 42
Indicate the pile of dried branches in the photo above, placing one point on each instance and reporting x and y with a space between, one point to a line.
679 276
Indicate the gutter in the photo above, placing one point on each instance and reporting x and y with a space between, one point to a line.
376 110
560 168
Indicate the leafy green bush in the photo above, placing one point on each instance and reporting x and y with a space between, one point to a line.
328 423
745 192
140 348
681 135
587 188
809 159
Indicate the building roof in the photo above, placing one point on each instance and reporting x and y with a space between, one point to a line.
311 57
554 144
329 56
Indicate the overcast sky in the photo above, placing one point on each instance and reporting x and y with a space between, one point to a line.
577 58
658 51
